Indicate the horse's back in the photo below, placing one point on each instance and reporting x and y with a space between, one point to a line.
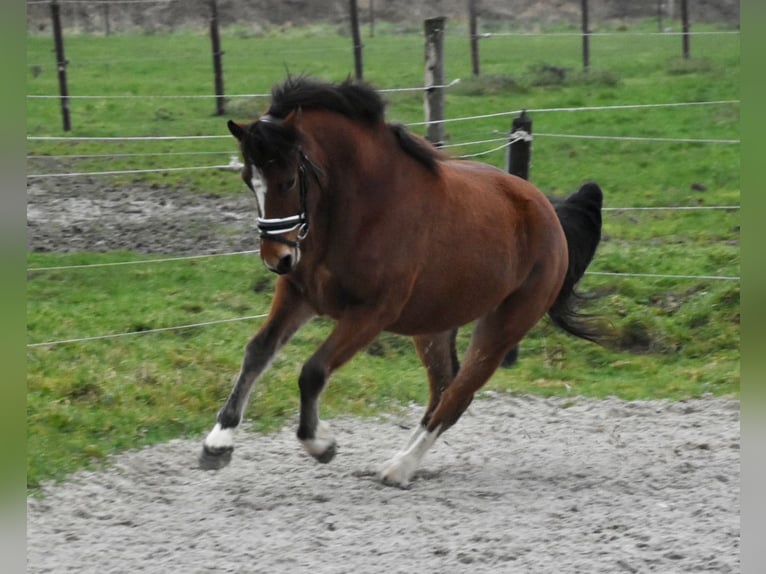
485 179
506 200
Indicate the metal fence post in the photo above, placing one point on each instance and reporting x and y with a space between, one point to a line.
472 31
517 162
434 78
585 36
519 155
685 24
357 40
61 63
215 39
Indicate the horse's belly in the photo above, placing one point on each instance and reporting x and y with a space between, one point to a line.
449 306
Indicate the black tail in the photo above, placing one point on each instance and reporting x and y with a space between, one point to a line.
580 216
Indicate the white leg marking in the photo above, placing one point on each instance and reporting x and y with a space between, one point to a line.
415 436
399 470
323 440
220 438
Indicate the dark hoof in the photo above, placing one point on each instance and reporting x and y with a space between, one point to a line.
214 458
328 454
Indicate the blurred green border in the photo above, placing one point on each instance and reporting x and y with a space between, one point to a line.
13 247
12 286
753 301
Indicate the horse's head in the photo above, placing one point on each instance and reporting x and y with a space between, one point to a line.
272 153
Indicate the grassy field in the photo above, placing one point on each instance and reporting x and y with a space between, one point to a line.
675 338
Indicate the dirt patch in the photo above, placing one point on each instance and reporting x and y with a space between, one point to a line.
90 215
518 485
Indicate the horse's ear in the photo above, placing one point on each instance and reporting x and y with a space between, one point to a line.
237 130
294 118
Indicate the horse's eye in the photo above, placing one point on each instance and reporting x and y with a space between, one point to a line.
289 184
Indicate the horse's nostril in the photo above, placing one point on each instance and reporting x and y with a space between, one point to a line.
285 264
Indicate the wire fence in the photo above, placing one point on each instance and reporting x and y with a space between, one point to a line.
506 141
232 165
87 339
503 144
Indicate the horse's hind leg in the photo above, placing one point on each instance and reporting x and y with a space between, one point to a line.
438 354
493 337
288 313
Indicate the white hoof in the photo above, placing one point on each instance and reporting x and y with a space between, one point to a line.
398 471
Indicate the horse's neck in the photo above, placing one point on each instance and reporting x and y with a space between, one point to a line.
348 152
349 157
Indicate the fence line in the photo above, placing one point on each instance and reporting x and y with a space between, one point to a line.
179 58
208 96
605 34
662 276
675 208
460 119
639 138
617 210
124 155
122 138
234 163
139 97
145 331
493 140
141 261
128 171
251 317
459 144
581 109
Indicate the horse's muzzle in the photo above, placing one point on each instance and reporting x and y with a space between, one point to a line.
284 261
284 265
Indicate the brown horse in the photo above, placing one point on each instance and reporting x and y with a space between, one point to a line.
376 229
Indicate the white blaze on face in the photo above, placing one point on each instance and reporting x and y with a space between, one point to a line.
259 189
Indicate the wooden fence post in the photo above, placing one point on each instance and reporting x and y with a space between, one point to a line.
434 78
61 63
472 31
215 39
357 39
685 24
585 36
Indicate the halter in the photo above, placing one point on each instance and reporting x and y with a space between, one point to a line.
272 229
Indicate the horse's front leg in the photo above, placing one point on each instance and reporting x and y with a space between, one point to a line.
350 334
288 312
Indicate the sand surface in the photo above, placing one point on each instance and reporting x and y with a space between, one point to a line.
520 484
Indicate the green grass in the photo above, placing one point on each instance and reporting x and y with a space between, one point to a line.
674 338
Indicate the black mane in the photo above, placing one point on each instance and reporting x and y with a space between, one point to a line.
271 143
355 100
